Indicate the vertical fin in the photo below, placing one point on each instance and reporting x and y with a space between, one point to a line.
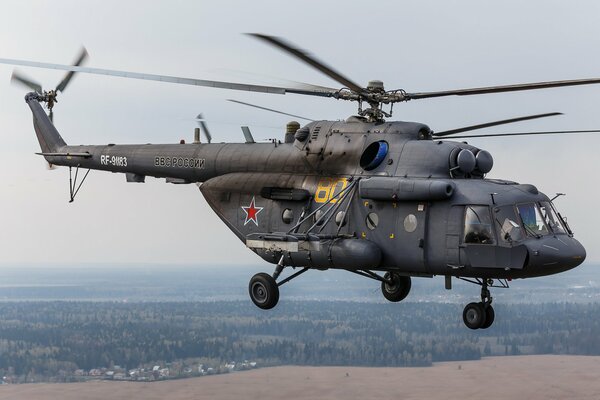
48 137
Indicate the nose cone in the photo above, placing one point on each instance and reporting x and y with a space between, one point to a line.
553 254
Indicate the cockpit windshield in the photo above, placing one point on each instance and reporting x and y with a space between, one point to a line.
532 219
528 219
551 218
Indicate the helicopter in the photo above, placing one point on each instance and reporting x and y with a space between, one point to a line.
386 200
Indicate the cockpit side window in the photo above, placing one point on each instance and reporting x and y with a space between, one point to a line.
508 224
478 225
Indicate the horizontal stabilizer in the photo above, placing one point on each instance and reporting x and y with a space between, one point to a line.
84 155
177 181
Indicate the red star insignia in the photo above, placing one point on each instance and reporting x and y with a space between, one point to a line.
252 212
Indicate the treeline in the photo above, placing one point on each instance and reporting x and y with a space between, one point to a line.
50 339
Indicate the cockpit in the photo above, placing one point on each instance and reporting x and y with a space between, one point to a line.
528 238
512 223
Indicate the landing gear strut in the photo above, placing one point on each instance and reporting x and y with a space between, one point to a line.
264 288
480 315
395 287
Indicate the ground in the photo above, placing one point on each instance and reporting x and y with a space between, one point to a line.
521 377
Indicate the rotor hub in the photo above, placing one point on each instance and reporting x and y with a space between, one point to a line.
375 86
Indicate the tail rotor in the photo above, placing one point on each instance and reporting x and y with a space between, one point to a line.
50 95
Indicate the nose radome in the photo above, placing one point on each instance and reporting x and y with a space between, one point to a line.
552 254
579 253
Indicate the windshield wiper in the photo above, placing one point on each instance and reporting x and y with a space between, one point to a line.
528 228
565 224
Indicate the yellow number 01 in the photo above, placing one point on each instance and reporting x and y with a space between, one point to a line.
328 188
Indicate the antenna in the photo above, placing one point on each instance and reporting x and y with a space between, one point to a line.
248 134
204 128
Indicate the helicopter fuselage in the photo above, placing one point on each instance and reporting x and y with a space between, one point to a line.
363 195
355 195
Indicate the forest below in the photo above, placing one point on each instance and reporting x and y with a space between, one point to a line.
50 341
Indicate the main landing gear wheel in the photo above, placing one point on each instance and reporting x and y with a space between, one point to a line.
480 315
474 315
398 289
264 291
489 317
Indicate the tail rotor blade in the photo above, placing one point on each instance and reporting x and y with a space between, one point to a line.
18 78
83 55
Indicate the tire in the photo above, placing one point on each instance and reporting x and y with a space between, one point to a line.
474 315
489 317
264 291
399 290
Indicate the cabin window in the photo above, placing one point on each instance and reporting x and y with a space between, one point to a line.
410 223
340 218
319 217
478 225
372 221
287 216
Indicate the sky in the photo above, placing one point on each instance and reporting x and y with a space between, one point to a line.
417 46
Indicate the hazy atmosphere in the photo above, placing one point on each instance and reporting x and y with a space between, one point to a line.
415 46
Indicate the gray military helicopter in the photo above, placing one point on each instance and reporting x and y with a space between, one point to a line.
387 200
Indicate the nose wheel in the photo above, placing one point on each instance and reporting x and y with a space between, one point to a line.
480 315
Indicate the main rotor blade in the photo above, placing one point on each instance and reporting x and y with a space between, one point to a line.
494 123
173 79
16 77
63 84
505 88
523 134
313 62
269 109
271 80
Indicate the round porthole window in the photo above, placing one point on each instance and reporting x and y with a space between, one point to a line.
340 218
372 221
287 216
410 223
319 217
374 155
